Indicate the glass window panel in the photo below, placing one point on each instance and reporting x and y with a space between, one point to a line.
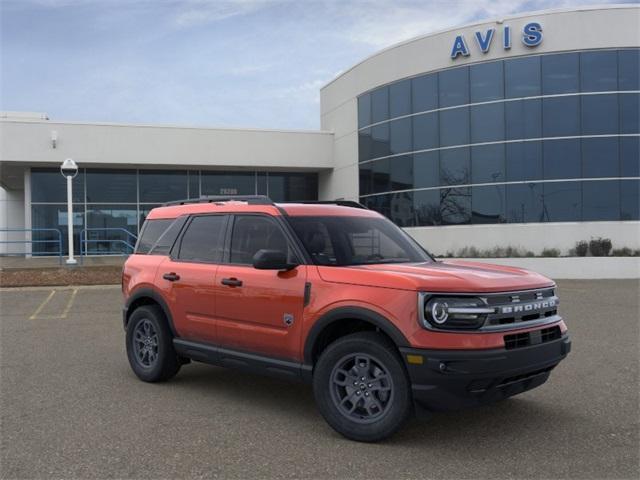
487 123
562 201
454 127
228 183
426 205
629 113
262 187
630 200
400 135
289 187
365 145
111 224
364 110
561 159
380 141
425 131
487 81
380 105
111 186
380 170
48 185
401 172
400 98
455 205
252 233
599 71
162 185
601 200
379 203
600 157
488 204
426 168
454 87
524 203
560 73
203 239
488 164
402 213
424 93
365 178
455 166
561 116
522 77
151 232
523 119
194 184
629 69
599 114
630 156
54 217
524 161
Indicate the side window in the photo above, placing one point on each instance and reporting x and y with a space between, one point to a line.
252 233
316 239
151 232
203 240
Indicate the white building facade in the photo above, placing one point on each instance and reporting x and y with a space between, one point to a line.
519 132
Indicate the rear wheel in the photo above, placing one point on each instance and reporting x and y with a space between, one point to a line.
361 387
150 345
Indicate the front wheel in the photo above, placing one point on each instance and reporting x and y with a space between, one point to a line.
361 387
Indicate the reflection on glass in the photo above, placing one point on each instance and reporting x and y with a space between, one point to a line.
380 105
48 185
629 199
488 164
53 217
455 167
561 116
523 119
426 169
424 93
364 110
524 203
425 131
524 161
455 205
454 87
401 172
228 183
162 185
629 69
487 81
562 201
454 127
110 224
426 205
561 159
111 186
522 77
488 204
400 98
601 200
380 140
487 123
599 71
560 73
400 135
365 145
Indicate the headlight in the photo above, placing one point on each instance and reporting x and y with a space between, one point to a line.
455 312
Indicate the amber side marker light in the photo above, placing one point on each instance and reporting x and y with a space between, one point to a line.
415 359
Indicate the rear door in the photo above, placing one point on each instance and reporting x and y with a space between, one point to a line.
188 277
259 311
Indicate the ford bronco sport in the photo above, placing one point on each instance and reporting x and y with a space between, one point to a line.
336 295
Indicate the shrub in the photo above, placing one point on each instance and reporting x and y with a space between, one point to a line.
582 247
625 252
550 252
600 247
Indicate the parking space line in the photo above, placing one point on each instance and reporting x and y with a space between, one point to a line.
42 305
36 315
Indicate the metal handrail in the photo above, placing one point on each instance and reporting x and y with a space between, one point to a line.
31 241
84 240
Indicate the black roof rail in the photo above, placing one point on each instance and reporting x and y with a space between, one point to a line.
340 202
250 199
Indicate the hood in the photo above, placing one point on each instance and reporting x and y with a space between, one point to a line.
442 276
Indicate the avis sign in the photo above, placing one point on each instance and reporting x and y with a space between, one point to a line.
531 37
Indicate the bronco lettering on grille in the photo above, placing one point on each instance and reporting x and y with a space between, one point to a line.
528 307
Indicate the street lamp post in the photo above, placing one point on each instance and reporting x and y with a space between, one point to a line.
69 170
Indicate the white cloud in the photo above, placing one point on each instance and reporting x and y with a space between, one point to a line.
199 12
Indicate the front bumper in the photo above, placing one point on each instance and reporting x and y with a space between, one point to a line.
453 379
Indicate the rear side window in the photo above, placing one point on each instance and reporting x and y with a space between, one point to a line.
252 233
203 239
151 232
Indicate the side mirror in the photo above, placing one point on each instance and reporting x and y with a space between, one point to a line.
272 260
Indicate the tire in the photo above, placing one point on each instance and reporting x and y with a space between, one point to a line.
150 345
384 401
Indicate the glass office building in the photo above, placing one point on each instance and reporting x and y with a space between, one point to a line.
111 204
539 138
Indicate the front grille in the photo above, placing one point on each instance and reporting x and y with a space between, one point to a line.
535 337
519 307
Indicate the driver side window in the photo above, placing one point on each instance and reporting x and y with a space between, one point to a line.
252 233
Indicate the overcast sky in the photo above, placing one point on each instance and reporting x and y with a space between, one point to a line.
234 63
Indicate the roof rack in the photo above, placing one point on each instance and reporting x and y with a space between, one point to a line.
250 199
340 202
261 200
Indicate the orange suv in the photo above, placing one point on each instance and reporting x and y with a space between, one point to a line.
336 295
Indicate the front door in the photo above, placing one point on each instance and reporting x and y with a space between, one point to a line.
259 310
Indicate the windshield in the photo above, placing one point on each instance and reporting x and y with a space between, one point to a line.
343 241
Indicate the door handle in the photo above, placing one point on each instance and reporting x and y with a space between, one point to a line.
232 282
172 277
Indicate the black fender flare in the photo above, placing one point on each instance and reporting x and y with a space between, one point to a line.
156 297
356 313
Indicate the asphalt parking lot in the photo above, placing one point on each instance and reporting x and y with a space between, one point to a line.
71 407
